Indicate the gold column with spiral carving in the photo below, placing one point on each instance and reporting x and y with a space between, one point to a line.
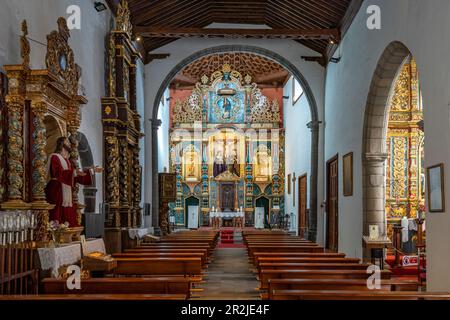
39 176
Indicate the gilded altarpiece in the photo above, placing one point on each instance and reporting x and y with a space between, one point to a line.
121 133
34 99
226 148
405 176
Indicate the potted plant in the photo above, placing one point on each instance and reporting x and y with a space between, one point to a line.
57 230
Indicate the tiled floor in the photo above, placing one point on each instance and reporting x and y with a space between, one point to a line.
229 277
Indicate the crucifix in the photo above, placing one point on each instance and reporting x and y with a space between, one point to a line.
293 189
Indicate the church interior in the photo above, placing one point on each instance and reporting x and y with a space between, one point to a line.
224 150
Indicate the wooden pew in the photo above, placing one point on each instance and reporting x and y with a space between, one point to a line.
202 256
265 275
177 246
337 284
159 266
283 248
93 297
260 260
356 295
157 285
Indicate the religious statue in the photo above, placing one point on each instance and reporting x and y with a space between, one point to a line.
219 165
226 106
191 166
63 177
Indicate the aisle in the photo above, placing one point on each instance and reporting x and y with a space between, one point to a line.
229 277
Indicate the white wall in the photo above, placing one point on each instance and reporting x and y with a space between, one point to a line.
297 147
163 133
157 70
423 27
87 44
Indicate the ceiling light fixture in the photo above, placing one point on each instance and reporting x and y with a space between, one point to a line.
99 6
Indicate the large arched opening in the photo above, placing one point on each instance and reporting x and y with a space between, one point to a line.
313 124
393 149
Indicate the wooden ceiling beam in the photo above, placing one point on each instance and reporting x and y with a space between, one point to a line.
293 34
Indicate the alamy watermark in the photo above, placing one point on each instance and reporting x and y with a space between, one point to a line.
374 19
374 280
74 17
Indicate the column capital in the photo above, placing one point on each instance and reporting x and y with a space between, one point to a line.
374 157
156 123
314 125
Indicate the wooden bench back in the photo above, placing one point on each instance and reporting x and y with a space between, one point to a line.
158 266
164 285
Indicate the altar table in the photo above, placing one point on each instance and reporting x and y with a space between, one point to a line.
54 258
217 218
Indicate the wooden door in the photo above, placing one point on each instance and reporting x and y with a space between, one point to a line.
302 200
332 204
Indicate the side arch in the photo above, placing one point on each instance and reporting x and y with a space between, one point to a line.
374 135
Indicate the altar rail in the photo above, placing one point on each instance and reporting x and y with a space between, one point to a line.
18 274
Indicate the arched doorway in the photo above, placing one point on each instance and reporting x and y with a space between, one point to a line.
264 203
192 215
53 132
313 125
86 161
386 136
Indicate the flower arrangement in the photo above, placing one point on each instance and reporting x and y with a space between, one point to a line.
57 229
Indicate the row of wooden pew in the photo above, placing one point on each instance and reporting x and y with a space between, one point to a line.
167 269
290 268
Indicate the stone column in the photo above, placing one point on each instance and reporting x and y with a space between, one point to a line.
374 192
311 233
155 123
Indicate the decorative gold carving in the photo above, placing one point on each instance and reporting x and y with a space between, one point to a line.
398 170
191 164
137 182
108 110
123 22
111 65
15 147
263 110
404 172
401 98
60 59
112 173
262 164
39 161
189 110
123 145
227 176
2 149
25 45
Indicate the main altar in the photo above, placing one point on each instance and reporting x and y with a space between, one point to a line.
227 149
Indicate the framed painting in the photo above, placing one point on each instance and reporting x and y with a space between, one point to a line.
435 188
347 165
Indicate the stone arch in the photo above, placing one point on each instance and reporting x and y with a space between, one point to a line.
87 160
374 135
313 125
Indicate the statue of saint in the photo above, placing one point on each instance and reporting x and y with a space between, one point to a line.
63 178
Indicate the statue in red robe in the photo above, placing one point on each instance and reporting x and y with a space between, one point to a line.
62 179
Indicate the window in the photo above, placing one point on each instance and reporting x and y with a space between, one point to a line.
297 90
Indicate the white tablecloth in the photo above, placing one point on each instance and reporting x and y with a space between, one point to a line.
93 245
138 232
226 214
54 258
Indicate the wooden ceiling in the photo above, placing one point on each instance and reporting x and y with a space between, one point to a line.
264 72
318 24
